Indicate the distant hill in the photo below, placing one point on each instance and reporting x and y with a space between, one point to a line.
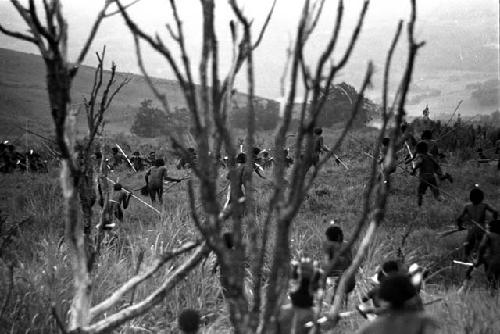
24 100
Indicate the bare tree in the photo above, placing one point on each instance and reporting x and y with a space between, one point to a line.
209 104
95 108
51 39
210 116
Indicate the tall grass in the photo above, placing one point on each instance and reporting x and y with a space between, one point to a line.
42 271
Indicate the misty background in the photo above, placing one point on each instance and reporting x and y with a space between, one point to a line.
459 59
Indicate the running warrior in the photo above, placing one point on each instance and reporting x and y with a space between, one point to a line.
332 247
400 317
475 213
489 254
427 167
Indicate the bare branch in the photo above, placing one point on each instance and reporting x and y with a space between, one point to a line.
118 10
38 26
331 43
17 35
354 36
138 279
374 164
194 214
388 66
172 33
242 49
384 182
57 318
86 46
149 81
358 106
117 319
37 37
155 43
315 18
260 36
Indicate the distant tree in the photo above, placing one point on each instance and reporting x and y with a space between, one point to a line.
152 122
149 122
266 115
339 105
495 117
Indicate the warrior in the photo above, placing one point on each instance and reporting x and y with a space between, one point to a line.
137 161
332 247
305 282
117 158
397 292
266 160
154 180
319 146
433 151
489 254
119 197
427 167
243 174
475 212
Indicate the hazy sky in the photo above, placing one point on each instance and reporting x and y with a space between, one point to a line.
269 58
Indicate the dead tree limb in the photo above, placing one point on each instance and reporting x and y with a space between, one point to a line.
111 322
383 184
138 279
51 39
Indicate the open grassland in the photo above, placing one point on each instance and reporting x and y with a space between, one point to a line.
42 271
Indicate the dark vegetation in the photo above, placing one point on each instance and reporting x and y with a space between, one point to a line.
266 115
340 100
153 122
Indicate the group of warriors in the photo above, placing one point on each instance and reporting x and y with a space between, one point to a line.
393 304
12 160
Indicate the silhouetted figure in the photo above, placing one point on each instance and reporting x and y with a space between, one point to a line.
489 254
154 180
332 248
189 321
137 161
120 197
427 167
397 293
305 282
475 214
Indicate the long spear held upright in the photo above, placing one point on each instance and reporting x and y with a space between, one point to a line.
126 157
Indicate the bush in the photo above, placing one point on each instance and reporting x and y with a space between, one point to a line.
152 122
339 105
266 115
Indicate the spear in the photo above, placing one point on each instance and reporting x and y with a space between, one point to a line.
126 157
411 155
467 264
450 232
337 159
137 198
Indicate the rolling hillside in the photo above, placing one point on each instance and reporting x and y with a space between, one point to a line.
24 100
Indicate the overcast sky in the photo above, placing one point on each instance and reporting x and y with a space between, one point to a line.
269 59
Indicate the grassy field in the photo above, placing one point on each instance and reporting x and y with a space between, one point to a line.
42 273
